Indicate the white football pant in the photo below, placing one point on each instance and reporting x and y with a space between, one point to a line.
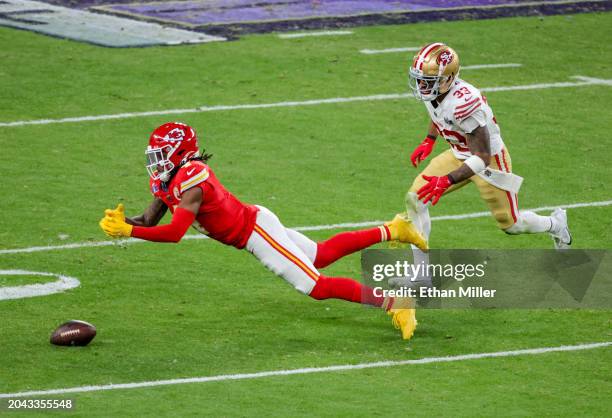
287 253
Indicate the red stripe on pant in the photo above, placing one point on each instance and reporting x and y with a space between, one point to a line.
286 253
508 170
512 209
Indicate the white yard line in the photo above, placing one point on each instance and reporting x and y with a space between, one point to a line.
413 49
389 50
484 66
308 370
297 228
582 81
322 33
464 67
593 80
217 108
70 246
446 217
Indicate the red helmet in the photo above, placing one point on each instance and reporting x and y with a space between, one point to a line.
170 145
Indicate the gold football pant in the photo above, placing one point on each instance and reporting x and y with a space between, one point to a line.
502 204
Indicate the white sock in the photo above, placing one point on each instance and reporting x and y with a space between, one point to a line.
531 223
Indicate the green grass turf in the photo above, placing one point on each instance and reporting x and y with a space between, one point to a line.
216 310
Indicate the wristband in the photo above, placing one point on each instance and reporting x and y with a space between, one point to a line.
432 137
475 163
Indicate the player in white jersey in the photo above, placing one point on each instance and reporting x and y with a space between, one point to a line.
460 114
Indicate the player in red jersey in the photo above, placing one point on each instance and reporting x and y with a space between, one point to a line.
182 182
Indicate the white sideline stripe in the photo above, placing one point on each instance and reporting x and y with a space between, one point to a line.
297 228
582 81
480 66
389 50
322 33
308 370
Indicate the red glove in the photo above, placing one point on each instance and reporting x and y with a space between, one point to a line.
434 189
422 151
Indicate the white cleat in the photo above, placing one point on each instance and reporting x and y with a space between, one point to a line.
561 235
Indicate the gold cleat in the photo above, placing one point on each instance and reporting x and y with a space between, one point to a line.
404 319
403 230
403 315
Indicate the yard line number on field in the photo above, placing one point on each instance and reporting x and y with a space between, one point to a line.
297 228
310 370
580 81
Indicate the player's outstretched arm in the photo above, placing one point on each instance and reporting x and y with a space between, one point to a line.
479 146
151 215
184 215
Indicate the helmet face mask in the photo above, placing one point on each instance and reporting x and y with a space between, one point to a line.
170 146
159 165
433 71
424 87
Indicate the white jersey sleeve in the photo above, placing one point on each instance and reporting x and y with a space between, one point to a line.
476 119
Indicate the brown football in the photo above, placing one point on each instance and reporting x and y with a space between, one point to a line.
73 333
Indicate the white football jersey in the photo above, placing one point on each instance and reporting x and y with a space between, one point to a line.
463 110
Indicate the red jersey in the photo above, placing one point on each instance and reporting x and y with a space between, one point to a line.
221 215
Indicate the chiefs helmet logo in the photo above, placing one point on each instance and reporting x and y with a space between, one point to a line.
175 135
445 58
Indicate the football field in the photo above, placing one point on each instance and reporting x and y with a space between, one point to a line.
319 130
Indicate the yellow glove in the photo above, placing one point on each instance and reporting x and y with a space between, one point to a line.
119 212
114 225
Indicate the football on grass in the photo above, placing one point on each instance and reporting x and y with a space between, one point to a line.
73 333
